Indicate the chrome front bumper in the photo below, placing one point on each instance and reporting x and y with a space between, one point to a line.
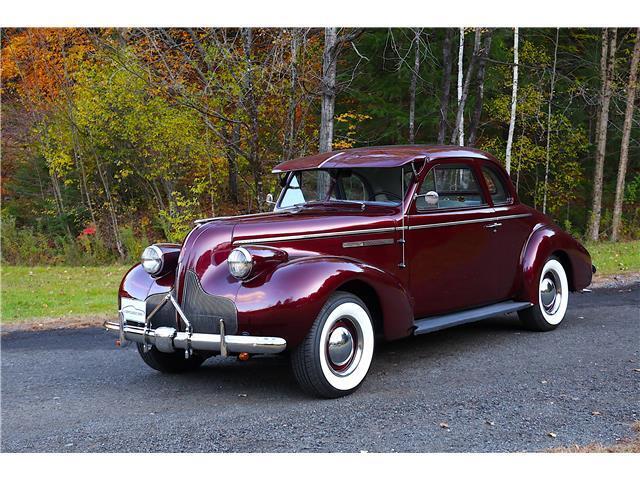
168 339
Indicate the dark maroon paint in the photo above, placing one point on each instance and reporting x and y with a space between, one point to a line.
448 268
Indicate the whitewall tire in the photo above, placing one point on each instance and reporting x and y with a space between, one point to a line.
336 354
553 298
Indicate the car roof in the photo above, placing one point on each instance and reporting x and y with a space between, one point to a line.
380 157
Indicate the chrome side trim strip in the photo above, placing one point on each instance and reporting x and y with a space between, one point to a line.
519 215
368 243
309 236
465 222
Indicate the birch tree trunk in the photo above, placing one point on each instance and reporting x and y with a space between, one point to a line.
626 135
463 93
601 143
477 111
459 129
446 84
548 148
412 87
514 100
328 88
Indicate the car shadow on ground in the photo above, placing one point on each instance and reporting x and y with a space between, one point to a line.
271 375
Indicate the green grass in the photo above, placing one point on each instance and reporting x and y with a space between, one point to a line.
611 258
40 292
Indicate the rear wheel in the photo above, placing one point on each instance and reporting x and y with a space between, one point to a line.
336 354
553 298
169 362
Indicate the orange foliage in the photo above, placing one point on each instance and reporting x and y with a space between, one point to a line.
38 62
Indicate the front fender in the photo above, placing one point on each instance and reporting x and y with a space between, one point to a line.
286 302
547 240
138 284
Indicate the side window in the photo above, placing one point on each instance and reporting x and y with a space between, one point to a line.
497 188
456 186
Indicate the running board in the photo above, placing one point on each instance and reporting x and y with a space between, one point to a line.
439 322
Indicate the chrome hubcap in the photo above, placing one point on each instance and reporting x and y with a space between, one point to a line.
340 346
550 293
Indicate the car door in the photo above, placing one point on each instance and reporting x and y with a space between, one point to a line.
449 247
513 227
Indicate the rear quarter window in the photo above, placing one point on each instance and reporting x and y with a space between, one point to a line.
496 186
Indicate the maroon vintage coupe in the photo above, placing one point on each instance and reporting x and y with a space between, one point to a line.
378 242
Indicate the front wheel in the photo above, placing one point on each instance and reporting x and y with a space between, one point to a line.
553 299
336 354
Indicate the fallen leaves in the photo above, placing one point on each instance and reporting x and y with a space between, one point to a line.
595 413
444 425
552 434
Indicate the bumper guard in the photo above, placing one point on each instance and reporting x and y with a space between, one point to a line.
168 339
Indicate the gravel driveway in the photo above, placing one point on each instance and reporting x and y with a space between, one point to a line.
488 386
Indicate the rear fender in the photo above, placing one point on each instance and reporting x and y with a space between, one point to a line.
286 302
547 240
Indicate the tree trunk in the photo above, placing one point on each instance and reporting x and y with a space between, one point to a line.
112 212
626 135
290 133
251 108
548 148
459 128
463 92
328 88
477 111
514 100
609 45
232 162
57 193
412 87
447 65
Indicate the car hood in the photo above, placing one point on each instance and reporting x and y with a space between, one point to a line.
310 221
208 245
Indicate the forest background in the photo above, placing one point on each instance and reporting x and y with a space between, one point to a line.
116 138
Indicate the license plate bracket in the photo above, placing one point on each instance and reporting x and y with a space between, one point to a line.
133 310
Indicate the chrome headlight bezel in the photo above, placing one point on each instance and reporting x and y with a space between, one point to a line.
152 260
242 266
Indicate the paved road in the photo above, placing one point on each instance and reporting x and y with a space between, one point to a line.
498 388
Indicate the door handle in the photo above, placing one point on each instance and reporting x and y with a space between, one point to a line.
493 225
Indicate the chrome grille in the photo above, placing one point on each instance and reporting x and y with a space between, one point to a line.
204 311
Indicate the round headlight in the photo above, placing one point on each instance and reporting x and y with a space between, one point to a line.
240 263
152 260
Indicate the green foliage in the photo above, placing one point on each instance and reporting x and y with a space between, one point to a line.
27 246
612 258
22 245
134 243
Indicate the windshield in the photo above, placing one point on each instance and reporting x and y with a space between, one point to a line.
362 185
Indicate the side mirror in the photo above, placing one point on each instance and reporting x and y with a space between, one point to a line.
269 199
431 197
